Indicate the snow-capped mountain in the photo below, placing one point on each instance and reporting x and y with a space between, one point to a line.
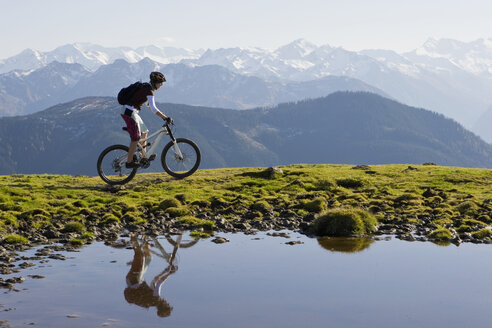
474 57
447 76
210 85
93 56
22 92
439 81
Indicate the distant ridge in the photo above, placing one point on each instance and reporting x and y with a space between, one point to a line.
344 127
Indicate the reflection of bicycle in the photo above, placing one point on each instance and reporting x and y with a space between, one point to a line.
140 293
179 158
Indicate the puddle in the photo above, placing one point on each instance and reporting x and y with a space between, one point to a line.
256 281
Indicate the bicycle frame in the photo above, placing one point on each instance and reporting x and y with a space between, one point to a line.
160 133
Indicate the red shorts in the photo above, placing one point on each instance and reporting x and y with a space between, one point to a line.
132 127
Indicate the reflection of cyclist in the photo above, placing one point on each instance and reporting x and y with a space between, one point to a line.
146 296
130 113
138 291
141 260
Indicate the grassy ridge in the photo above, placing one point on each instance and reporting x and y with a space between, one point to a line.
443 199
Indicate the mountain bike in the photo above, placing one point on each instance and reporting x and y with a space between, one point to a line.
179 158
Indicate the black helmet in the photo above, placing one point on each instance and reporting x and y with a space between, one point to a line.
157 77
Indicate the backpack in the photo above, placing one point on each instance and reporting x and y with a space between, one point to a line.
127 93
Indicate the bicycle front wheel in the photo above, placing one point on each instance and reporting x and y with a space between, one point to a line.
181 159
111 165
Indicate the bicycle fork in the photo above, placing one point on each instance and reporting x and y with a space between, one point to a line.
177 151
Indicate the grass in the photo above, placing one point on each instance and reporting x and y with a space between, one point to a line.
15 239
391 191
441 234
344 222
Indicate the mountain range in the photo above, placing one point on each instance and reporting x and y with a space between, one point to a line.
344 127
209 85
446 76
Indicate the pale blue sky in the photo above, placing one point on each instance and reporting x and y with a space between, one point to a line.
399 25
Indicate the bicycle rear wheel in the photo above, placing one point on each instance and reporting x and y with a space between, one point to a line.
181 160
111 165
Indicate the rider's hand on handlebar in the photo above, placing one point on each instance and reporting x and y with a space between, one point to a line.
169 120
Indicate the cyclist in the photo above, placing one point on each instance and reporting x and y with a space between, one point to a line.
130 114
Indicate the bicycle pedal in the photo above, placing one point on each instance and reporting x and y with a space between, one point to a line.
144 163
152 157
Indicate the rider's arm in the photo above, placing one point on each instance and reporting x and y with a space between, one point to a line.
154 108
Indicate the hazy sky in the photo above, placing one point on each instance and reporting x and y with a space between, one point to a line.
399 25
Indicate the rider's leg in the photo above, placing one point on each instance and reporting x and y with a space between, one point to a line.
131 151
133 130
143 130
143 143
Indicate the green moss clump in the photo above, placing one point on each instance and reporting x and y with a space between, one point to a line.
474 223
442 222
15 239
169 202
35 214
345 222
406 197
467 208
464 228
133 217
76 242
110 218
80 203
201 234
442 234
9 219
191 220
87 235
351 183
177 211
261 206
482 233
317 205
10 207
322 185
74 226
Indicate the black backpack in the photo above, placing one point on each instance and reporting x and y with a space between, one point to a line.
127 93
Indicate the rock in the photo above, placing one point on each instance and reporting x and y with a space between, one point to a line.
7 259
73 316
220 240
57 257
15 280
408 237
26 265
456 240
51 233
309 218
44 252
279 234
297 242
242 226
271 172
361 167
429 193
35 276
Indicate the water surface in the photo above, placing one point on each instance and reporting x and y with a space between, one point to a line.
258 281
